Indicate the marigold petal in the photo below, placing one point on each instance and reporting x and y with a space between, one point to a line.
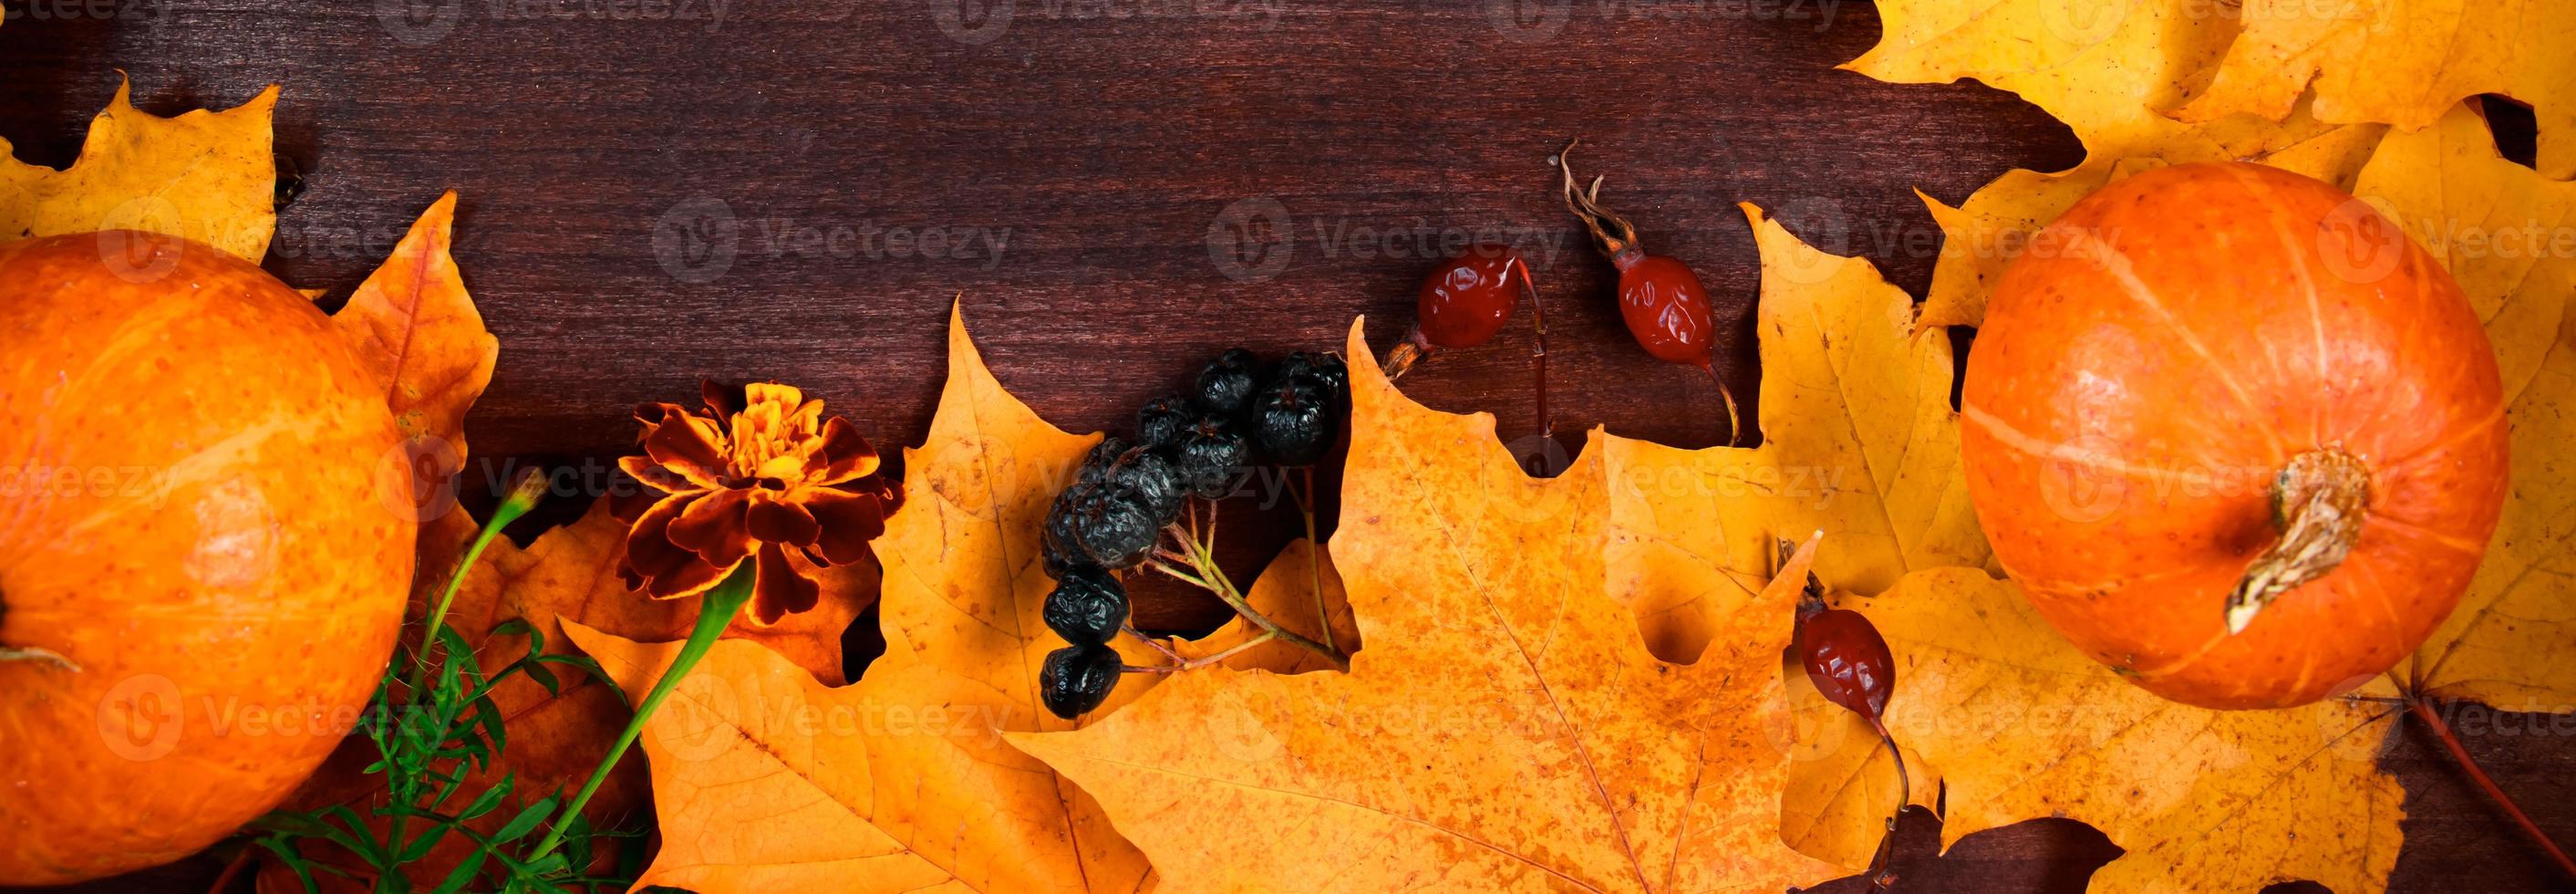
687 446
779 590
778 398
843 455
656 565
775 518
722 400
716 528
847 520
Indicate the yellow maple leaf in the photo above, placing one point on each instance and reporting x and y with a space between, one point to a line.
1505 729
2105 69
204 175
2509 237
2021 725
2403 62
1858 440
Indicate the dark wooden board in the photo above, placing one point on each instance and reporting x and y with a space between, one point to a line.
1110 141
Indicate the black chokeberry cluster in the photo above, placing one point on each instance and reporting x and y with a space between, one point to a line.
1126 493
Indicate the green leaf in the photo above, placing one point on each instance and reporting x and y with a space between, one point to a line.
284 848
488 801
526 821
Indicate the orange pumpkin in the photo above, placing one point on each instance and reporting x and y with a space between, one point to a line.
204 551
2236 435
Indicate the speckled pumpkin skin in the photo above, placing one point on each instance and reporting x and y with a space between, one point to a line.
2149 367
222 562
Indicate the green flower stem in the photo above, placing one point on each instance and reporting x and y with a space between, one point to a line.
523 496
716 611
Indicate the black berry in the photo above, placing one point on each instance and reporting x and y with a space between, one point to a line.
1077 679
1209 453
1112 525
1102 456
1058 548
1330 377
1160 421
1087 606
1293 423
1149 476
1226 384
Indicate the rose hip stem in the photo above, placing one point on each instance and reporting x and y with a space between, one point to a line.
1661 300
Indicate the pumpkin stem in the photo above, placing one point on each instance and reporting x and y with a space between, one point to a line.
2319 501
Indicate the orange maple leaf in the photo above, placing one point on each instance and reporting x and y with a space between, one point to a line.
1506 728
416 330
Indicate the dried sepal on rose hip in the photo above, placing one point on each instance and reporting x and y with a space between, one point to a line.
760 474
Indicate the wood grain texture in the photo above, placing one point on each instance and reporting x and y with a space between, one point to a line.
590 141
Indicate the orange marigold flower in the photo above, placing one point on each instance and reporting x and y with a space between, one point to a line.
761 472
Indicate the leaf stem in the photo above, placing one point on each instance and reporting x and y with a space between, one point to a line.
716 611
2424 711
232 871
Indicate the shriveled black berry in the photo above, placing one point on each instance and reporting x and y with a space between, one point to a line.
1209 453
1148 474
1331 378
1077 679
1058 549
1227 383
1160 421
1102 456
1112 525
1293 423
1086 607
